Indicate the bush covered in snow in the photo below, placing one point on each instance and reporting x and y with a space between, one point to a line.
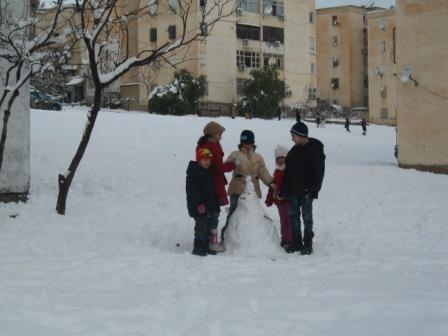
179 97
263 93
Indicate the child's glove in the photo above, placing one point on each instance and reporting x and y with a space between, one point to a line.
201 209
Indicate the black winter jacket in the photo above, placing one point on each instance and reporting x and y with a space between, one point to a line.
200 190
305 169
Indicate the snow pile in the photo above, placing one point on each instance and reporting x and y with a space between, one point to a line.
250 230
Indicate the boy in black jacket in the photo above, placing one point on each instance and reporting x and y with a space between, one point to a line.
304 173
201 200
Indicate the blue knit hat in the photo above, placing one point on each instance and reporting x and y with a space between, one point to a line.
247 137
300 129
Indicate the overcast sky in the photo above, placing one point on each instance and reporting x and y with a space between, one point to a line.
332 3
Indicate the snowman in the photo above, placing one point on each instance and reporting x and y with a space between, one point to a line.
250 230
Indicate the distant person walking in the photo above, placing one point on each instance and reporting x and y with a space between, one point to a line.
318 119
298 116
322 120
364 126
347 124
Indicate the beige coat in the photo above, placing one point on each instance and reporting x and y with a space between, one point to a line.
248 163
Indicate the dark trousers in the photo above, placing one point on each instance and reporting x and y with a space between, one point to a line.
302 206
204 224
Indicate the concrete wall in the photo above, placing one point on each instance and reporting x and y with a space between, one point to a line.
383 80
15 173
422 45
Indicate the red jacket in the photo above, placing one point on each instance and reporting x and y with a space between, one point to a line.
278 181
217 170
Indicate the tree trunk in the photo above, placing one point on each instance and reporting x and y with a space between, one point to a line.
64 181
6 115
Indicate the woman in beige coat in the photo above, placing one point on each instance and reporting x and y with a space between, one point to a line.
248 163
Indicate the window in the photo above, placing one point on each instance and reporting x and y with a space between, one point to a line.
334 20
273 59
240 84
311 17
203 31
383 46
394 42
334 62
202 3
334 41
248 59
335 83
272 34
153 35
312 68
273 7
365 37
248 32
172 32
312 43
249 5
384 113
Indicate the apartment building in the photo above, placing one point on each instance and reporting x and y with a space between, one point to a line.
422 54
382 67
259 32
342 55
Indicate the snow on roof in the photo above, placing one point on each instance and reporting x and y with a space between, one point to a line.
75 81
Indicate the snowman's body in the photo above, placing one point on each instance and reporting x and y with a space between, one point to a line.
250 230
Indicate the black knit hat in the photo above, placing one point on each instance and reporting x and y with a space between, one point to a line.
300 129
247 137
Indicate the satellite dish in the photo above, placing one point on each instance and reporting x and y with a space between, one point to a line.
406 75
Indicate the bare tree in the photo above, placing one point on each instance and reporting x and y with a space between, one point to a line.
24 54
103 20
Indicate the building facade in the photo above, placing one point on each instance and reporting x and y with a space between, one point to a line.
422 54
342 58
382 67
260 32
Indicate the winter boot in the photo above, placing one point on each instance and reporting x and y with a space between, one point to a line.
297 244
213 244
199 247
307 244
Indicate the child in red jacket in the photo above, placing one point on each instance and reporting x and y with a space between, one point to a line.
211 140
284 206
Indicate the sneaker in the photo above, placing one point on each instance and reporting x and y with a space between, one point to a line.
217 247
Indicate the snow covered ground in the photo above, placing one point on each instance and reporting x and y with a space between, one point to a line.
112 266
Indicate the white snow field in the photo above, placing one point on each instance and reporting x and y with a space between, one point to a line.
111 265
